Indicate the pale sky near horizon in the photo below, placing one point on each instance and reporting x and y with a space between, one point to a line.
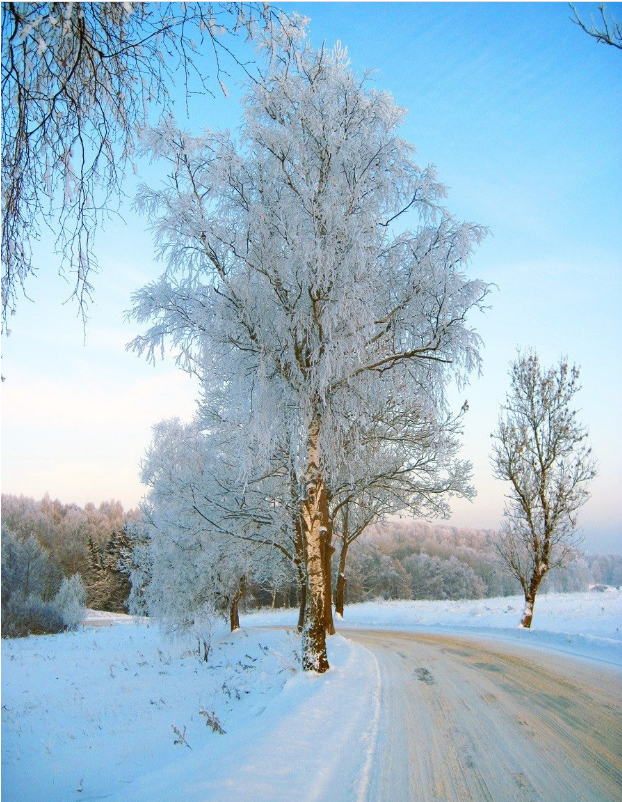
521 112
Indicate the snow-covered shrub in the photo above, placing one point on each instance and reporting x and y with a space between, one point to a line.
29 581
70 602
29 615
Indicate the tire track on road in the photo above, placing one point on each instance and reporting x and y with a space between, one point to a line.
465 720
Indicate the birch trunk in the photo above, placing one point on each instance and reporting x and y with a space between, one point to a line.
340 591
327 553
530 600
303 606
302 576
315 527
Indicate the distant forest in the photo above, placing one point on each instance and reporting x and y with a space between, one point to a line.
89 541
394 560
435 561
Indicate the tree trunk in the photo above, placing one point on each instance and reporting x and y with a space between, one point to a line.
315 522
302 577
530 600
327 551
340 591
234 612
303 606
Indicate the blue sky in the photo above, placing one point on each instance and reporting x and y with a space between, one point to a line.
521 113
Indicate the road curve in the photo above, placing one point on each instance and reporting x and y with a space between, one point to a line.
467 720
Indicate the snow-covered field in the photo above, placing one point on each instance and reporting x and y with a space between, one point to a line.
117 712
582 624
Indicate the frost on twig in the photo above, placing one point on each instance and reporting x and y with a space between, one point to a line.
211 719
181 736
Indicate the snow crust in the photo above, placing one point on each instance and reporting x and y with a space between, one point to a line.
90 714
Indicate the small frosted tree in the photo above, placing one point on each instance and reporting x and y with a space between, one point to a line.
204 536
27 568
30 578
287 274
541 448
70 601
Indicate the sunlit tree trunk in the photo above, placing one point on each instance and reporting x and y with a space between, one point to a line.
314 522
327 553
299 562
303 605
530 591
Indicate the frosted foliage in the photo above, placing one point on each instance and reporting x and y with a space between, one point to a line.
70 601
197 538
396 458
79 82
541 448
289 279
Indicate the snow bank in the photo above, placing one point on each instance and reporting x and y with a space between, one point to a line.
307 738
91 714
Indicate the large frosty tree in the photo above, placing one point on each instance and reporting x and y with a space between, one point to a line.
293 285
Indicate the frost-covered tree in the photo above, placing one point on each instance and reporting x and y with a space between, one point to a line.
70 601
409 463
375 575
436 578
540 448
203 536
30 579
292 281
79 80
108 584
27 568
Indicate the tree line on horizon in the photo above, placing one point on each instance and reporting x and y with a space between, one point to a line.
395 559
46 544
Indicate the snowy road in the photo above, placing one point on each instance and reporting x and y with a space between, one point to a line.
466 719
